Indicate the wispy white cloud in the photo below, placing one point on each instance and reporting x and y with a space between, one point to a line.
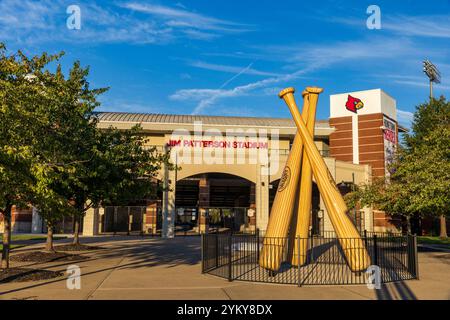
238 74
206 97
436 26
45 22
195 94
306 58
405 118
29 22
180 17
230 69
374 49
432 26
199 35
414 81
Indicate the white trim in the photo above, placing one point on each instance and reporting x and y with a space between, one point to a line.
355 139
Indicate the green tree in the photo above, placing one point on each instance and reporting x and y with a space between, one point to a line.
53 156
22 100
428 117
75 144
94 166
420 181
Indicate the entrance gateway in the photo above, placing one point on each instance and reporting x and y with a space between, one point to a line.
355 147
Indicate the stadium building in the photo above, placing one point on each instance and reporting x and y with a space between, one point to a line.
230 167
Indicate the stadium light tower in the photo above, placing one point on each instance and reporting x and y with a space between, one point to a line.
432 73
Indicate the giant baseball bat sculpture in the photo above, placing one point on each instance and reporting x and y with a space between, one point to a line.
305 195
349 238
275 239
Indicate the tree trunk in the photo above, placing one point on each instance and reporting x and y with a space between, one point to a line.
443 227
408 224
76 231
49 243
6 236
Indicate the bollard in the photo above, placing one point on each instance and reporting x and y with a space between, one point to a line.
230 265
375 250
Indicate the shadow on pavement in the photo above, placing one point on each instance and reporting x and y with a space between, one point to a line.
395 291
139 251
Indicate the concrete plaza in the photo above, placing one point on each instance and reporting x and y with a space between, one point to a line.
131 267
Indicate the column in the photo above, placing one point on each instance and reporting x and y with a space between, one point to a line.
91 222
203 203
101 217
151 217
251 213
368 211
168 204
262 199
36 221
355 138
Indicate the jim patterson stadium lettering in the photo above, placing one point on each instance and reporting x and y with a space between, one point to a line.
218 144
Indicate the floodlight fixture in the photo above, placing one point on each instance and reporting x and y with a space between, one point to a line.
432 73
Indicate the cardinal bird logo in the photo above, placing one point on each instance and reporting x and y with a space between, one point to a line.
353 104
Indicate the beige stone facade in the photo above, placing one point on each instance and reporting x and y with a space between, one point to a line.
233 152
230 168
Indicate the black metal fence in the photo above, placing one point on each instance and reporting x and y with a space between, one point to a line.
237 257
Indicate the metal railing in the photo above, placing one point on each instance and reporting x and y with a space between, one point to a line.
237 257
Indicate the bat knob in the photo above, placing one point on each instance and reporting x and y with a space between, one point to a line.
304 93
315 90
286 91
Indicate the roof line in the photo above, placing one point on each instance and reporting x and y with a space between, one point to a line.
193 116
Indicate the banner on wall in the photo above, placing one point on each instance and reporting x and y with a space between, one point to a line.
390 142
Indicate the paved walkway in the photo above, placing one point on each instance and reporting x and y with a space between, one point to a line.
152 268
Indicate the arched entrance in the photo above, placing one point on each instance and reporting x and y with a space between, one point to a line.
223 199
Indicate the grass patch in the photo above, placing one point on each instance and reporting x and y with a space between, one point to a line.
27 237
13 246
433 240
32 237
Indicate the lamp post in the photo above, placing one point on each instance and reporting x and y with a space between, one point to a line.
432 73
435 76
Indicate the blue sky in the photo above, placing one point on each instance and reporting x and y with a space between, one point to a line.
232 58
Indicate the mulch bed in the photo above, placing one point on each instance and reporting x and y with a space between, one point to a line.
76 247
25 274
41 256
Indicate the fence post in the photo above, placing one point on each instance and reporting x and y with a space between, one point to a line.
365 238
416 257
216 246
409 250
230 264
413 262
202 244
257 245
130 219
375 250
